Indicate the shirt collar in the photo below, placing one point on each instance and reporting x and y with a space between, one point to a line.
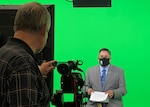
23 45
106 68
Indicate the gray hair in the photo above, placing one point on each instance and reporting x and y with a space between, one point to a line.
31 17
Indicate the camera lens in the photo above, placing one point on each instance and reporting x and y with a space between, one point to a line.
63 69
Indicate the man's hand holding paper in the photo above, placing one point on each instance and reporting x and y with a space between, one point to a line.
99 97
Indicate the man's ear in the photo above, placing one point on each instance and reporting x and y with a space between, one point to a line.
43 30
109 58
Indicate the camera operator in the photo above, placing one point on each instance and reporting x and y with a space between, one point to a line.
21 80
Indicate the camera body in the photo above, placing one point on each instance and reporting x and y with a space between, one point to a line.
71 82
66 67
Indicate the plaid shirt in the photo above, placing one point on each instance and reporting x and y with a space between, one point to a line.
21 83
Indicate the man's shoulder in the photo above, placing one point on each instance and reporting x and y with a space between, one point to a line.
13 50
14 53
116 68
93 67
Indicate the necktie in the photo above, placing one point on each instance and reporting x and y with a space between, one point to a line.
103 77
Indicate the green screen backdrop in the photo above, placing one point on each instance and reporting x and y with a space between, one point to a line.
124 28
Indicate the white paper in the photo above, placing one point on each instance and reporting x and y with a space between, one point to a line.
99 96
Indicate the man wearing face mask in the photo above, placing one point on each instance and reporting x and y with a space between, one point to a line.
105 77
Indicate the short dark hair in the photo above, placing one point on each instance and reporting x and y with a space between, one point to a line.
105 49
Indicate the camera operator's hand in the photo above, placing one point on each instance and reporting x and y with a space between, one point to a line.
90 90
46 67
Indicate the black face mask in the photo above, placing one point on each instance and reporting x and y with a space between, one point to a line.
104 61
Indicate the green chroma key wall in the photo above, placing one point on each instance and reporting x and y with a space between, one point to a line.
124 29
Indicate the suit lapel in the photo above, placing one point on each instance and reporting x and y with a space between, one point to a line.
99 76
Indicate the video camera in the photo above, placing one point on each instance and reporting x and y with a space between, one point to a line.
66 67
71 82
